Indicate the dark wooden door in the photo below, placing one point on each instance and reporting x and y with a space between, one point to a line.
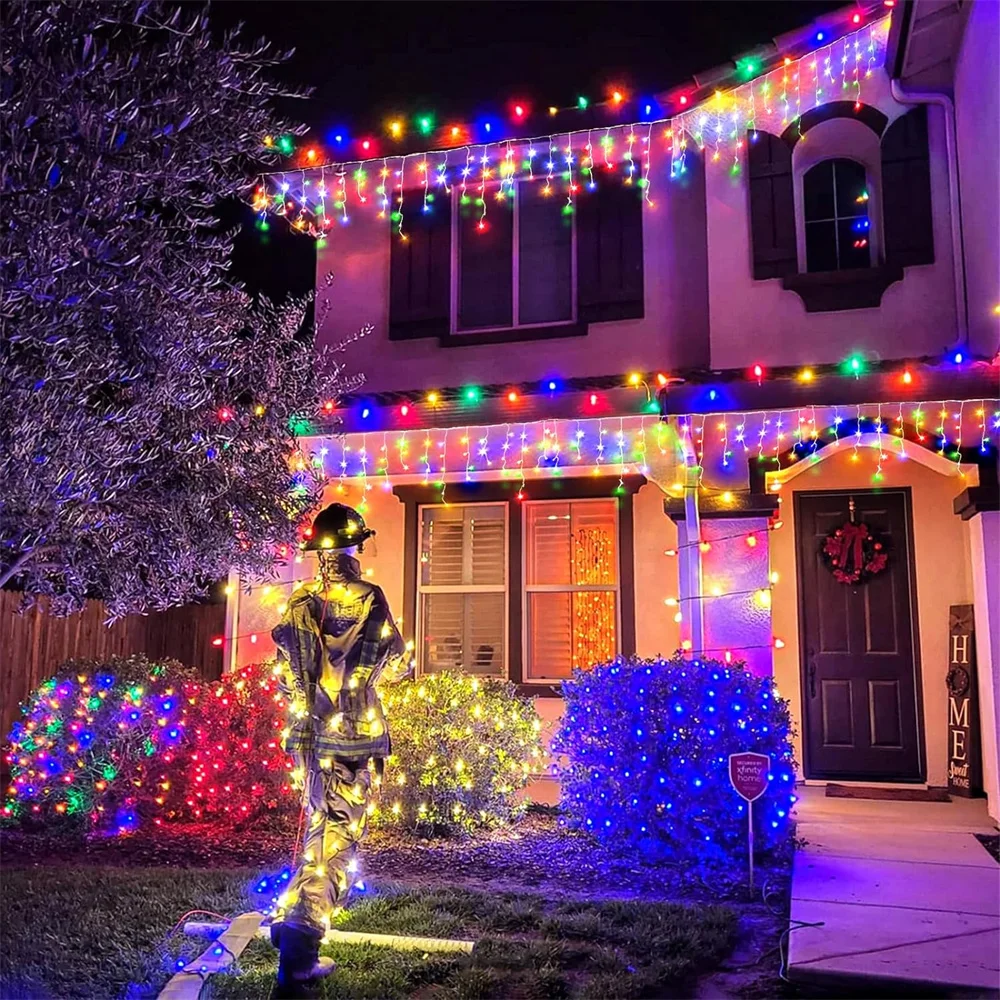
860 673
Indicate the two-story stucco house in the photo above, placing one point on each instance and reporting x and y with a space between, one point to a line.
626 382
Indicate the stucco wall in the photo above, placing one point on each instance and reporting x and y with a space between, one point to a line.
673 333
758 321
942 571
977 121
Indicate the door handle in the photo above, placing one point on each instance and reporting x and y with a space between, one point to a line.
812 674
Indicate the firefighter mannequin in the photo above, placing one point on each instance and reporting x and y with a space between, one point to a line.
334 642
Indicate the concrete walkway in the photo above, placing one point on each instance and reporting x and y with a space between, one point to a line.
907 896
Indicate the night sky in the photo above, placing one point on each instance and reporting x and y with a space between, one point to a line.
373 62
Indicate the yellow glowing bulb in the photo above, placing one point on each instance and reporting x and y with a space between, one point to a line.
716 591
806 375
727 497
634 379
227 589
763 598
774 577
670 602
395 128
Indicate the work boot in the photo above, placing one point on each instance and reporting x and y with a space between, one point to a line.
299 966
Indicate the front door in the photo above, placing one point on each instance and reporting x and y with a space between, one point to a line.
859 668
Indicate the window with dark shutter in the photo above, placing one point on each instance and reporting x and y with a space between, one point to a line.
420 272
772 206
609 253
906 191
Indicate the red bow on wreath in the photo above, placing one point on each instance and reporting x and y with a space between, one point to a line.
852 552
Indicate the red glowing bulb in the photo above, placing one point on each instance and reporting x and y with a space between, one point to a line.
593 399
328 406
519 110
404 410
856 19
662 379
758 372
684 99
217 641
366 145
907 377
310 154
512 396
617 97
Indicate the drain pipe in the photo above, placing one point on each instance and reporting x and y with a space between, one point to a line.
943 101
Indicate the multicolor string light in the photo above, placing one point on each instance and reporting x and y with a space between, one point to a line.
720 121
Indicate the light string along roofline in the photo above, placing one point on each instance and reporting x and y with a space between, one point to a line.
713 121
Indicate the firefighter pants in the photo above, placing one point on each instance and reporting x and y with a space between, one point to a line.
336 798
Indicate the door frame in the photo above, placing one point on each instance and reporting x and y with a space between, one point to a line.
918 687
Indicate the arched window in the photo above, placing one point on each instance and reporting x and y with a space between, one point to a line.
835 203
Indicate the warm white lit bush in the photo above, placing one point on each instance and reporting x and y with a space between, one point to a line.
462 750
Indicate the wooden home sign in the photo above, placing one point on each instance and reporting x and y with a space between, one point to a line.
965 769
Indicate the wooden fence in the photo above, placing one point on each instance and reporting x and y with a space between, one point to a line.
33 645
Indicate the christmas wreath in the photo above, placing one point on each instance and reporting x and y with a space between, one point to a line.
853 554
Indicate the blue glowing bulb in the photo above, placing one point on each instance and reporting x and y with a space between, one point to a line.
958 358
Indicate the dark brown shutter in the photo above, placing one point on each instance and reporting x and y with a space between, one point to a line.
609 252
906 191
772 206
420 270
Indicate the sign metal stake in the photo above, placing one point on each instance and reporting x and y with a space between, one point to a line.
749 774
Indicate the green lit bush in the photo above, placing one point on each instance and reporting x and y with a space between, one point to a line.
462 750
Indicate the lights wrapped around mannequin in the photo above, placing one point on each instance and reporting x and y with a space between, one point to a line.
648 744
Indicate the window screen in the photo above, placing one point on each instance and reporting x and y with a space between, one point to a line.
462 588
835 201
571 584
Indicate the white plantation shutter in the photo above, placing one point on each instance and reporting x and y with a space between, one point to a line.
463 588
571 579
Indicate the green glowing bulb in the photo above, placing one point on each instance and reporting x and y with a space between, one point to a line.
582 103
425 124
472 394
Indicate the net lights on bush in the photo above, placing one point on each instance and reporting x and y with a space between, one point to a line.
769 101
463 750
136 741
648 744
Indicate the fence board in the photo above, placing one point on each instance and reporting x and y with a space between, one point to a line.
33 645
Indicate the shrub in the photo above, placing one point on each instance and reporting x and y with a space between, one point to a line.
462 750
648 745
229 765
85 737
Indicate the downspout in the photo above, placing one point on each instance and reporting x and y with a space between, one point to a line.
943 101
692 531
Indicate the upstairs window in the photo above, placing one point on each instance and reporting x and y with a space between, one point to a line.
462 588
837 227
571 585
532 270
515 264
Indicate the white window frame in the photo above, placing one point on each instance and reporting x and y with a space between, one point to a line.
490 588
456 262
559 588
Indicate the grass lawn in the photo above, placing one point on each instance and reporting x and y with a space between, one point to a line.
98 932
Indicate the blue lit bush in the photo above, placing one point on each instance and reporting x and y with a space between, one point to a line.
647 744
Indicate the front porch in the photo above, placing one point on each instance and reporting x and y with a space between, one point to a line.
894 895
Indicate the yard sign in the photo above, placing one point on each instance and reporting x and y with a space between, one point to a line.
749 774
